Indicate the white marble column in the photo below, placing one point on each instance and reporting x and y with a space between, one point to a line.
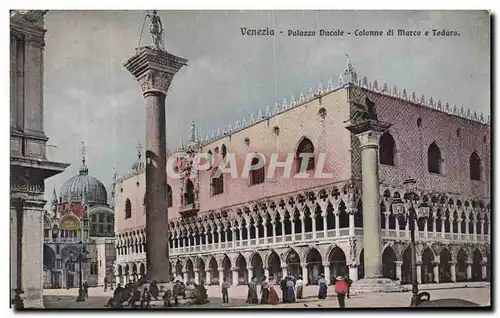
206 233
302 227
249 272
256 237
467 229
185 276
436 272
264 225
351 222
196 276
234 272
219 236
326 267
399 275
313 219
459 228
442 227
419 272
426 232
353 272
474 231
208 272
273 225
337 224
266 272
305 277
397 228
325 223
283 230
453 271
434 227
484 270
293 230
248 232
469 270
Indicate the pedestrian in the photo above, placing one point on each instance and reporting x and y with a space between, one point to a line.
105 283
86 289
264 291
349 284
299 285
323 288
341 289
273 295
252 292
153 289
283 289
136 296
146 298
290 294
176 291
225 291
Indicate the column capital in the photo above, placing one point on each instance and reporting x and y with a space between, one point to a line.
220 269
399 263
235 268
369 132
436 263
326 264
452 263
154 69
249 268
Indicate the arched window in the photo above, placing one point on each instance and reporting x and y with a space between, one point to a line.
257 176
475 166
217 182
305 146
434 159
128 209
223 151
189 194
387 149
169 196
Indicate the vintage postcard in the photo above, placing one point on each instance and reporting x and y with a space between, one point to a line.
250 159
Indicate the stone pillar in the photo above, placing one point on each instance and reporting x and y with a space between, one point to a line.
351 222
302 227
399 275
154 69
469 270
368 133
326 267
325 223
353 272
337 225
273 225
264 225
442 227
484 270
386 220
209 276
197 276
117 279
459 228
219 237
305 276
293 229
206 233
32 253
15 259
284 270
283 230
425 229
266 272
436 272
419 272
434 227
397 228
185 276
221 275
453 271
467 228
249 273
313 219
234 272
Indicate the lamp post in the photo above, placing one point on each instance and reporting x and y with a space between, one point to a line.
408 211
80 257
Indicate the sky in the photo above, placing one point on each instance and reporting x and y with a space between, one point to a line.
89 95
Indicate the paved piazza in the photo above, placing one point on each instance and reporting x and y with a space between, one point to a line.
476 292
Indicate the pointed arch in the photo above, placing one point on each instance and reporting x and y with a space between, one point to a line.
475 166
434 159
189 193
387 149
305 146
128 209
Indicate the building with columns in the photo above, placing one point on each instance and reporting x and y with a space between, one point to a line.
262 225
30 156
80 213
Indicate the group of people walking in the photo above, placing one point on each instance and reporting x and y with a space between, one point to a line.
291 290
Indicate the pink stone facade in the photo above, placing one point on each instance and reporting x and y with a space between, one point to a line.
214 237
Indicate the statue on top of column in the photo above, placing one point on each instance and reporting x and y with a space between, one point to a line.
156 29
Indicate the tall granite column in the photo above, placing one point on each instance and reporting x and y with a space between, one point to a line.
368 132
154 69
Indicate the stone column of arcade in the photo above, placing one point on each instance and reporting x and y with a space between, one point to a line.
368 132
154 69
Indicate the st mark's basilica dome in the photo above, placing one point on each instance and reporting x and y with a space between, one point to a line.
84 186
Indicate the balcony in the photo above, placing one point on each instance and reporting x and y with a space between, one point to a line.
322 237
189 209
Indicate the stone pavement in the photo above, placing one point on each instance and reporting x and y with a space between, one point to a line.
478 292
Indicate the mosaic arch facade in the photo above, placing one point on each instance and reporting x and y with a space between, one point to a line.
283 227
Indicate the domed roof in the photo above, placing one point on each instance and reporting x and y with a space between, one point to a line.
84 186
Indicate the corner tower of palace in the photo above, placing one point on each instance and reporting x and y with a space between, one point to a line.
236 228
